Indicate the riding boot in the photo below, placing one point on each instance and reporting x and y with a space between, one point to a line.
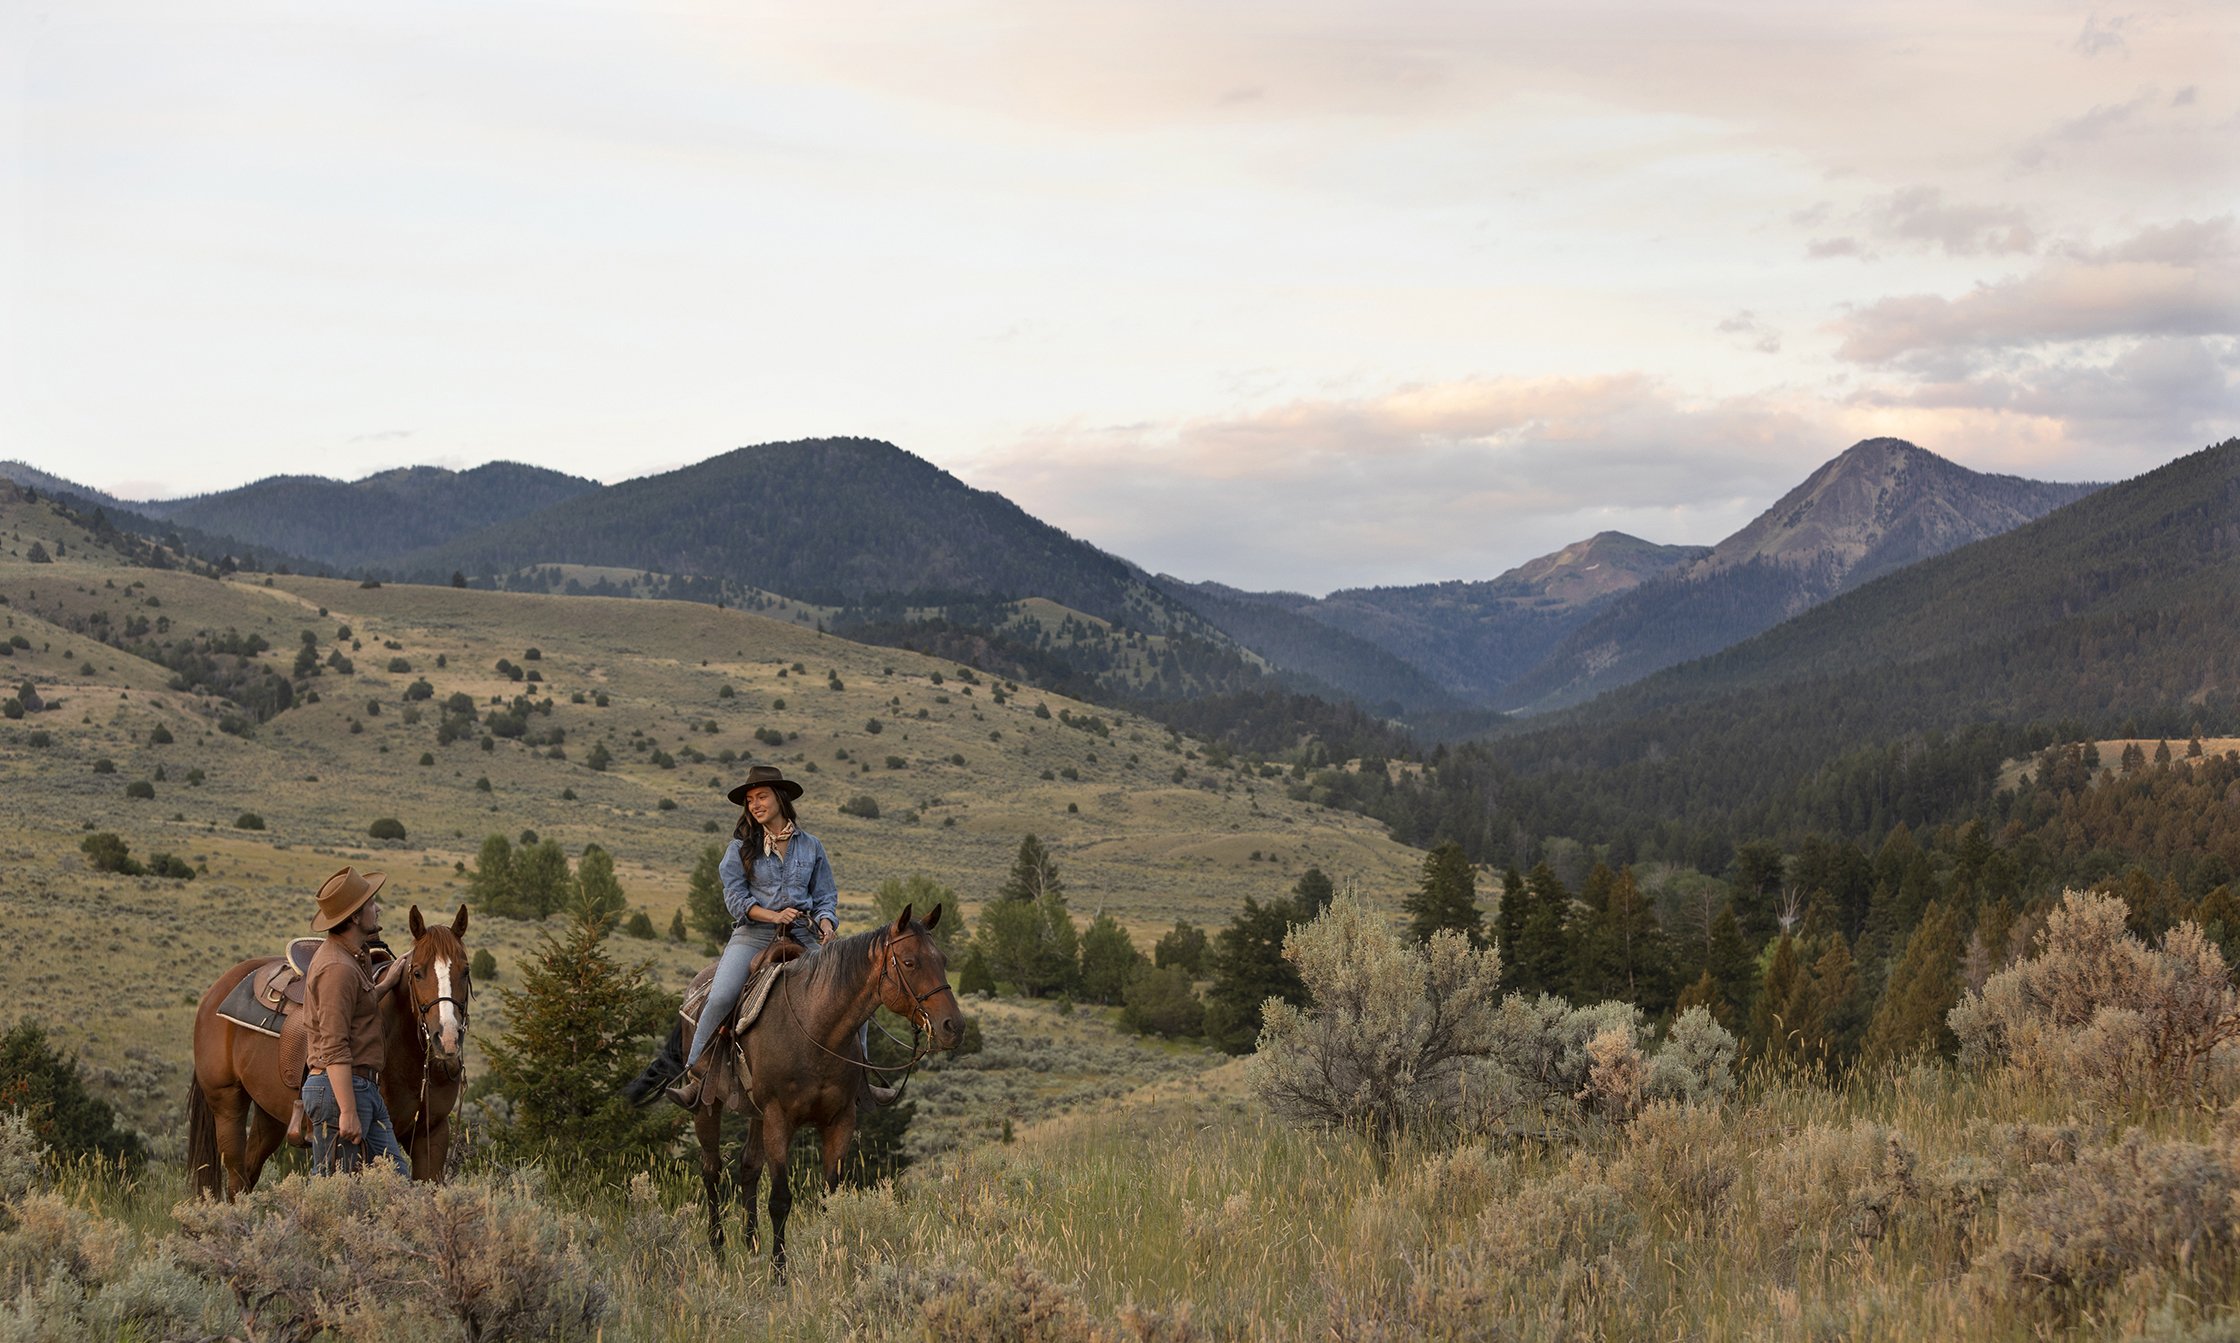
299 1135
685 1091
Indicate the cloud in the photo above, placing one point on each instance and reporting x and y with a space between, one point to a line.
2102 36
1445 480
2100 123
2078 415
2179 279
382 436
1750 332
1922 214
1820 249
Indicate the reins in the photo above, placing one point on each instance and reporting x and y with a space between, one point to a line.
920 1024
452 1069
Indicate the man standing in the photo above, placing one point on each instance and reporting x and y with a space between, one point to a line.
350 1123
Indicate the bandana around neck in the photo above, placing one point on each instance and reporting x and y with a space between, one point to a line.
774 837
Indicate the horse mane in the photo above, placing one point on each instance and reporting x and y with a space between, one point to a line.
840 968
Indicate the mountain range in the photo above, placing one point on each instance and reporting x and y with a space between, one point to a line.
888 540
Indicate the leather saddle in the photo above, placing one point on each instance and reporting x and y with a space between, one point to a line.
269 1000
762 977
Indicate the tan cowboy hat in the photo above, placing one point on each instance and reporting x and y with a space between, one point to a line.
345 892
764 776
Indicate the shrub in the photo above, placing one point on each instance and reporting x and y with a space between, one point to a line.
108 852
1384 1044
2070 1234
874 726
2096 1011
104 766
388 827
40 740
639 925
470 1261
1679 1159
670 804
1696 1063
1163 1002
484 965
420 689
577 1029
141 789
12 707
863 805
40 1083
248 820
897 762
159 735
939 1299
400 666
1836 1188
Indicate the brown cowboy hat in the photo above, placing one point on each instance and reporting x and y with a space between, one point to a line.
345 892
765 776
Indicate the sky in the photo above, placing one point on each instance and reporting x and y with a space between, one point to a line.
1296 295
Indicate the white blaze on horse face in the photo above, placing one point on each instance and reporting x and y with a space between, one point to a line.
447 1011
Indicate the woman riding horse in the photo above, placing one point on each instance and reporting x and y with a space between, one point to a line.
776 883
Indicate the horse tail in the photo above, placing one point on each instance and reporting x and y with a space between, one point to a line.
203 1167
667 1066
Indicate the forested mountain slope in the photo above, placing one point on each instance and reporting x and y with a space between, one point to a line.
350 524
1894 701
1881 505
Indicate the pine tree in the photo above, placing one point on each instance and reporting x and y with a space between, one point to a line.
920 894
1313 893
1731 964
1027 935
1109 959
703 901
1704 993
1839 1007
1758 870
1034 873
577 1029
490 884
1248 969
1447 897
1923 988
1620 951
677 930
541 880
597 896
1185 947
1509 923
1781 1025
1543 956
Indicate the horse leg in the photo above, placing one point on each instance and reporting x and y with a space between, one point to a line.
229 1114
707 1126
836 1135
431 1148
265 1136
776 1138
750 1179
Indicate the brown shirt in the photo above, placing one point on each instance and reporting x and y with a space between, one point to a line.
345 1015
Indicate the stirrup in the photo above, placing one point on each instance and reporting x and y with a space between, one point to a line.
685 1091
882 1095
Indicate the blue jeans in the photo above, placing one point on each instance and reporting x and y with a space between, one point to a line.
329 1154
747 941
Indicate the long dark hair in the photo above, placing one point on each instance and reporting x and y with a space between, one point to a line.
749 831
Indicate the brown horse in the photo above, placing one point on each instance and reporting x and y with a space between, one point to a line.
237 1106
805 1064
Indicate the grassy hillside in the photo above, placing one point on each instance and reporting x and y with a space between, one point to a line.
1141 825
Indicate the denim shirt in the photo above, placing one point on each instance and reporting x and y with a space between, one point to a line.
800 880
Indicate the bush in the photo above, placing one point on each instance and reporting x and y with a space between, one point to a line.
419 690
104 766
2096 1011
1391 1026
11 707
388 827
639 925
108 852
1836 1188
248 820
1163 1002
159 735
863 805
47 1089
484 965
874 726
477 1261
400 667
2137 1209
897 762
141 789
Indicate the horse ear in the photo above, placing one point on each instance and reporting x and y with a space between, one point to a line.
459 922
933 918
902 921
419 925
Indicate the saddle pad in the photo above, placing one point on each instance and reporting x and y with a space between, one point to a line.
751 998
242 1008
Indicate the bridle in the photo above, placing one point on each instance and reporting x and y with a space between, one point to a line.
433 1059
921 1044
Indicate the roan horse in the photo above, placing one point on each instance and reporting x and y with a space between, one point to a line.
804 1063
237 1106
